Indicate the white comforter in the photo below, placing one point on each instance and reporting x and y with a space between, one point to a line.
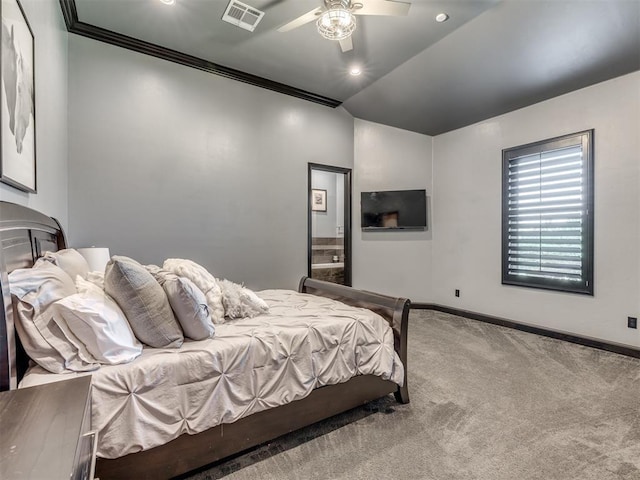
250 365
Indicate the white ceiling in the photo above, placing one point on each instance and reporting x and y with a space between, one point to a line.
491 57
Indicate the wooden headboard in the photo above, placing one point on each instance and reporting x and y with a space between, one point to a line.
24 235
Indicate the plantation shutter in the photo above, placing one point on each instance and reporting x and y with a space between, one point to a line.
547 215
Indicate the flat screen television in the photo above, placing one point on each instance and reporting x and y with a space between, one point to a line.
392 210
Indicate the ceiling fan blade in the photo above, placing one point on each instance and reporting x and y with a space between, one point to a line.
383 7
346 44
301 20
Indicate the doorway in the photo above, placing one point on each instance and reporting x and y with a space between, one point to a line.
329 219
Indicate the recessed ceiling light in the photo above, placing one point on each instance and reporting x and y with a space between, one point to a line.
442 17
355 71
168 2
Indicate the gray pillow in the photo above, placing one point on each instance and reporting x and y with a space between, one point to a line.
143 302
188 303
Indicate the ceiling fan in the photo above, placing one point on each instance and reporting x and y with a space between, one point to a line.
336 20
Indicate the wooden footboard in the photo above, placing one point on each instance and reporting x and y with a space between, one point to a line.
393 310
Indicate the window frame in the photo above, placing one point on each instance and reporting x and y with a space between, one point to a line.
586 139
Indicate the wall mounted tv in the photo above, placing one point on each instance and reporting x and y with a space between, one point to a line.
393 210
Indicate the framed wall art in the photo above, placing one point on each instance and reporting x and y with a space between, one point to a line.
18 122
318 200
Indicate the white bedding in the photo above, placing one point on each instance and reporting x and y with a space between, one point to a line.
250 365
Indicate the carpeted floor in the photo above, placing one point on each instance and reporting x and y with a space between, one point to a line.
487 403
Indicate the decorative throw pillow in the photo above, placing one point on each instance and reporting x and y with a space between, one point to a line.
98 322
143 302
187 302
68 260
36 290
239 301
203 280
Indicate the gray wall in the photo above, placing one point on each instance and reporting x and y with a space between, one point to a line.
167 161
467 213
395 263
45 18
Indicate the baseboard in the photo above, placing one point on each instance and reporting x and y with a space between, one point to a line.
567 337
422 306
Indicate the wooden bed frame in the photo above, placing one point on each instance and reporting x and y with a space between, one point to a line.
25 234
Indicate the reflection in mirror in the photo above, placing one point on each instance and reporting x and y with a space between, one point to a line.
329 224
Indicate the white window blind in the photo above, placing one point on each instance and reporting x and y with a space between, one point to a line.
547 223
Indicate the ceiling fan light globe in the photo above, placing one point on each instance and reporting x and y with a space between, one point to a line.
336 24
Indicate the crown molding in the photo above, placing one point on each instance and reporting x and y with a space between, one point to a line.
70 14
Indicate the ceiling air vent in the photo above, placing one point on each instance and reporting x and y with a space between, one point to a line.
242 15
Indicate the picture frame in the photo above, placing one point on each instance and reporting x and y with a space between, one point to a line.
318 200
18 120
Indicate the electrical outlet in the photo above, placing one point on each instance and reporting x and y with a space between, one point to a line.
457 292
632 322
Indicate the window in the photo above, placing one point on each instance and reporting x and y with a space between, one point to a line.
547 214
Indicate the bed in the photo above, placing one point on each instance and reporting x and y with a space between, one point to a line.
25 234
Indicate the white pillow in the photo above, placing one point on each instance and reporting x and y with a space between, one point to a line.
68 260
98 322
203 280
37 289
97 278
240 302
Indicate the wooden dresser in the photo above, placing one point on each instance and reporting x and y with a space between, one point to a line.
45 432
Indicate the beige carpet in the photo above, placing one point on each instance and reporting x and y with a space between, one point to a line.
487 403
